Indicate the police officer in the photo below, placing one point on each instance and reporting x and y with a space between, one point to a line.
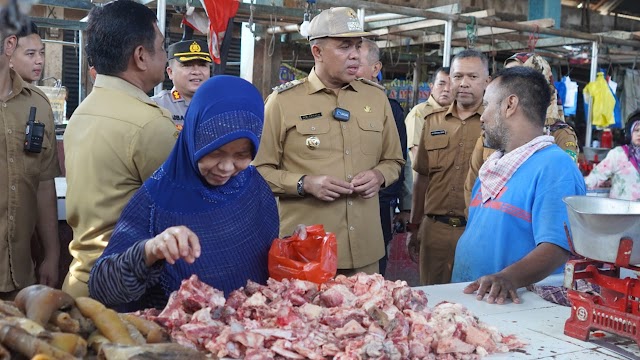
330 143
442 163
189 66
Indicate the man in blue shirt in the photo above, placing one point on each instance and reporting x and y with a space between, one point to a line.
515 232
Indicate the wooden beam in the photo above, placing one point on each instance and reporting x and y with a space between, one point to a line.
516 46
481 22
59 23
483 31
547 42
426 23
268 14
370 23
70 4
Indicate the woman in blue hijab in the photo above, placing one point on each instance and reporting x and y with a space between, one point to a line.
205 211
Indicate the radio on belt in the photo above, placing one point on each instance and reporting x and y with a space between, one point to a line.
34 133
341 114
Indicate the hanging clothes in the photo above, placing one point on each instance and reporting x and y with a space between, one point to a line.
602 101
561 90
630 97
617 113
218 12
570 101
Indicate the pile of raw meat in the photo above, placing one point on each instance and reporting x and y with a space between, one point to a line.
360 317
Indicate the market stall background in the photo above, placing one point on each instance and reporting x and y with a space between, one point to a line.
578 37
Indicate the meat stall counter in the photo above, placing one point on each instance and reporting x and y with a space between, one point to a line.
538 322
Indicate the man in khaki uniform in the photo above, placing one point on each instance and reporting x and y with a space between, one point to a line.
118 136
555 125
189 67
442 164
330 143
28 59
440 96
28 200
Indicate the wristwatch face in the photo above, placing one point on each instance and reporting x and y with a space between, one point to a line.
300 188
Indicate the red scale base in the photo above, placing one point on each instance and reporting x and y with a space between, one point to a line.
616 309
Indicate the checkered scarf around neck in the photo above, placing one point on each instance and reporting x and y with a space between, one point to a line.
223 109
499 167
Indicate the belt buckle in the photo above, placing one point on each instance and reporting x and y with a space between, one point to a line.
455 222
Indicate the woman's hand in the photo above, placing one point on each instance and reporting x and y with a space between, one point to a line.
177 242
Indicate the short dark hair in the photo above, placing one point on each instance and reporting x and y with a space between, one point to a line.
470 53
444 69
115 30
531 88
27 29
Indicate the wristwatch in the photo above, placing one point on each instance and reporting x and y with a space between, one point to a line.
300 186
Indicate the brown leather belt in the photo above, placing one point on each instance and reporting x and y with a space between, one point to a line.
454 221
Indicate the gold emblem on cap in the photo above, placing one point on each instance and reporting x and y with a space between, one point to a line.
352 13
313 142
194 47
367 108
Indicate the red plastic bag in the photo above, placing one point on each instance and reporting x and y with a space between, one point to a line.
313 259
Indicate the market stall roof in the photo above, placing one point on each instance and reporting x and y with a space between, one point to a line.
606 7
416 29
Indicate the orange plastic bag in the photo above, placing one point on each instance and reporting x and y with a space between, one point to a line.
313 259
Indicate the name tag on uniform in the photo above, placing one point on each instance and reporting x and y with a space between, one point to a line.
310 116
438 132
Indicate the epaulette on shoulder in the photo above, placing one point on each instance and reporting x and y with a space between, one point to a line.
372 83
36 90
287 86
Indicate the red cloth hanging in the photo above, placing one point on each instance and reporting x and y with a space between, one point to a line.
218 12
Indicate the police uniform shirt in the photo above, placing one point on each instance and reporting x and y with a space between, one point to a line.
175 103
301 137
445 148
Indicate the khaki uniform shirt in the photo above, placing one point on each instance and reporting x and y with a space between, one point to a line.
300 137
443 155
415 120
20 174
115 140
565 138
175 103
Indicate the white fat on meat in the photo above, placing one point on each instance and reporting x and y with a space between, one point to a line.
358 317
259 354
312 312
275 333
248 339
350 329
337 295
284 348
256 300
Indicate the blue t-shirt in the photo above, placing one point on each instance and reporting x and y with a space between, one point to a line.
528 211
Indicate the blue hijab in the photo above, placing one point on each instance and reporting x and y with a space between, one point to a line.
224 109
235 222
